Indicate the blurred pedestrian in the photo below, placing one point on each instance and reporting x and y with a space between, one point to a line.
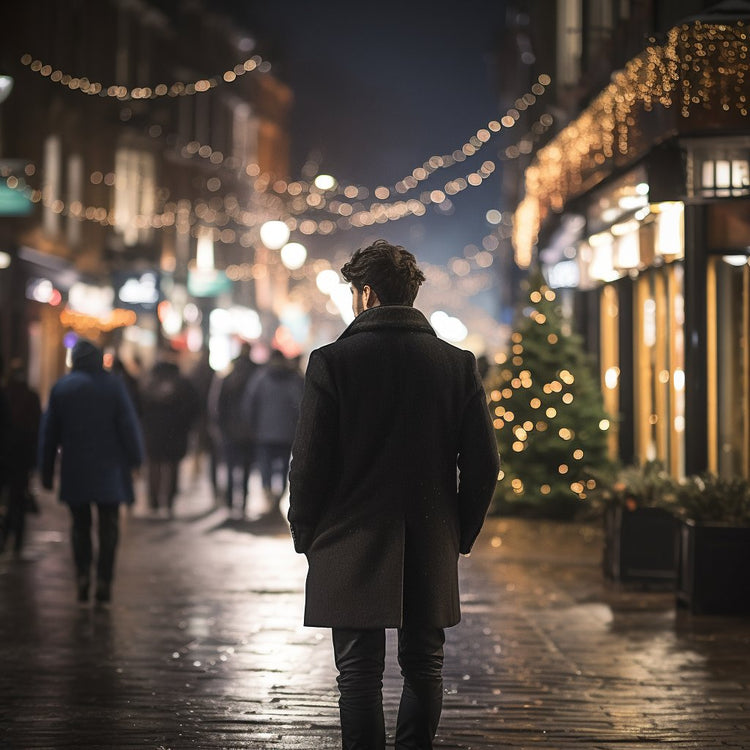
236 436
217 457
90 419
271 407
203 446
24 414
130 381
393 468
170 408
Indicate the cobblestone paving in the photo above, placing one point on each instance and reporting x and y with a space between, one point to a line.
203 648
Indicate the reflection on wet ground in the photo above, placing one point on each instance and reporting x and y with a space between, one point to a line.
203 646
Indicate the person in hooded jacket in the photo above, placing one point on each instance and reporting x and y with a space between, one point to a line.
170 406
271 407
91 421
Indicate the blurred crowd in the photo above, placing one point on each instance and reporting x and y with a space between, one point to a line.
231 423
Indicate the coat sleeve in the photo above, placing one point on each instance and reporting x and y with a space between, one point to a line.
313 466
478 464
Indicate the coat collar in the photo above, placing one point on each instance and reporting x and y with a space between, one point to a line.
389 317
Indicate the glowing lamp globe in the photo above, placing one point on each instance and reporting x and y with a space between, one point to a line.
293 255
274 234
327 280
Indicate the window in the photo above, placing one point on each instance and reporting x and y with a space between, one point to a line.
660 367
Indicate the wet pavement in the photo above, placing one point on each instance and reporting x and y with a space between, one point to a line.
203 646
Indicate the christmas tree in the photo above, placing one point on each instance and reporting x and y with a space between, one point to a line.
548 414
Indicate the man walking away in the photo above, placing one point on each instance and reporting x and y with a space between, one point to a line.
91 419
390 415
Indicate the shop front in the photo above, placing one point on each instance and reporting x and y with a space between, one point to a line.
662 261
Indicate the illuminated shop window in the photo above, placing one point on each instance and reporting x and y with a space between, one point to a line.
610 361
660 367
728 365
718 170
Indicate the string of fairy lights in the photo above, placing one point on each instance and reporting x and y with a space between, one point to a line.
699 67
301 196
85 85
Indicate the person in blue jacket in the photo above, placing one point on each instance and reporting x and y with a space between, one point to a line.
91 421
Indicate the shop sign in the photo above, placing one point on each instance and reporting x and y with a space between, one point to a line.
14 202
207 282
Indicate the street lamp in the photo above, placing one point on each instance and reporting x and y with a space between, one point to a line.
293 255
274 234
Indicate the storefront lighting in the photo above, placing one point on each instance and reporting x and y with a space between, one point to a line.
626 227
631 202
274 234
642 213
642 188
602 265
721 176
4 259
612 377
628 250
204 254
603 238
735 260
678 378
669 233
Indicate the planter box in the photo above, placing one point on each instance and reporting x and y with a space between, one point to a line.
714 569
640 545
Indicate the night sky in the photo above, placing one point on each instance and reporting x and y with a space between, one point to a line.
381 87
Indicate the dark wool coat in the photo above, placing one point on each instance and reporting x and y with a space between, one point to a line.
393 468
271 404
91 418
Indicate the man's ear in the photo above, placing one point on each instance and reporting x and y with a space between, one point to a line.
369 298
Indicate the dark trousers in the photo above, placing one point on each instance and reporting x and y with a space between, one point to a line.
273 460
239 460
360 660
15 519
109 531
162 483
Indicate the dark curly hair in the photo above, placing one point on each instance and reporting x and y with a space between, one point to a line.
389 270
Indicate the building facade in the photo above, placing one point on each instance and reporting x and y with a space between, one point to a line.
137 148
640 203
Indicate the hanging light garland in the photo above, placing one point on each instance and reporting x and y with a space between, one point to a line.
301 196
123 93
701 67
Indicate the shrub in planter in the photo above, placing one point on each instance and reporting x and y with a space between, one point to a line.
714 551
640 528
